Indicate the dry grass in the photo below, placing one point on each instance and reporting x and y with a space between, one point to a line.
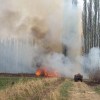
97 89
60 92
54 95
31 90
6 82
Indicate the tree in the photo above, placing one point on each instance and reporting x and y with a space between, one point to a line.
85 22
91 24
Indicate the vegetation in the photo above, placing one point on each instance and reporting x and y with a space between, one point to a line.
9 81
60 92
97 89
64 90
91 24
94 75
33 89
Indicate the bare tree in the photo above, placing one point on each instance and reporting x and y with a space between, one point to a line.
85 23
91 24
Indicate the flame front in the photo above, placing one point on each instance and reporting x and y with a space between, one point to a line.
46 72
38 72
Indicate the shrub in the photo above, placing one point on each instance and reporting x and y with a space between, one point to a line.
94 75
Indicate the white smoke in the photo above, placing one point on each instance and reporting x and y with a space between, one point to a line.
63 64
68 68
30 30
92 60
32 33
26 29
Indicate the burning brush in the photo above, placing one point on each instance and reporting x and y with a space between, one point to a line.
46 72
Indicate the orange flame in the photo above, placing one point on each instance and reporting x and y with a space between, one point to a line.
46 72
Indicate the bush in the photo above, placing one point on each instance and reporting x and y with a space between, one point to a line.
94 75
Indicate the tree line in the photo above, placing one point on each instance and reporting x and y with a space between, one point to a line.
91 24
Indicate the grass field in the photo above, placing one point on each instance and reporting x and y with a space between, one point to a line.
9 81
60 92
34 88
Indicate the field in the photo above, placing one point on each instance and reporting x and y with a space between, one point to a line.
29 88
10 81
32 88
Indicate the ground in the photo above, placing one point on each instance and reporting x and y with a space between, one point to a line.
32 88
81 91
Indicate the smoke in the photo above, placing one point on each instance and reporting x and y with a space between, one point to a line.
62 64
33 32
92 60
28 31
71 38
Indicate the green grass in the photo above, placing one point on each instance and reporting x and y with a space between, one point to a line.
64 90
7 81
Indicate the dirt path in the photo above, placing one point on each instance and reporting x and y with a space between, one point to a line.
81 91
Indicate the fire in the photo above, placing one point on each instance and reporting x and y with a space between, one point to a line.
47 72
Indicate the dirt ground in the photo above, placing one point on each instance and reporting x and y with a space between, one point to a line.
81 91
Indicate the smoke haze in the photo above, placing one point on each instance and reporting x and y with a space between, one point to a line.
27 33
32 32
